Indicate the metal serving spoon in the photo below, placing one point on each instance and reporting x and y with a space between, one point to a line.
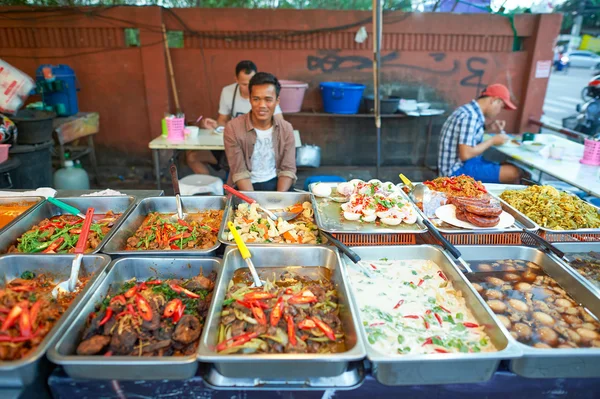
418 192
246 255
175 181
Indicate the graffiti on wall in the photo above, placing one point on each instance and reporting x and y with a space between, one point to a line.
472 75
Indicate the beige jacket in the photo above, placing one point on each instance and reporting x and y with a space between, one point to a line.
240 138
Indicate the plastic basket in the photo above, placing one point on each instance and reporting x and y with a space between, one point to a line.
341 97
591 152
292 95
356 240
175 127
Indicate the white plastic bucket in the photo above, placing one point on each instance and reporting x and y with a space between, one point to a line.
292 95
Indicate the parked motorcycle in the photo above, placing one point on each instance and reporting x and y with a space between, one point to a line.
587 119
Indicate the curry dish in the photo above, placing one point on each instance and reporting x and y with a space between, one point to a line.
9 212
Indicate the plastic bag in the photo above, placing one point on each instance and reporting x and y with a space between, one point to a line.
15 87
8 130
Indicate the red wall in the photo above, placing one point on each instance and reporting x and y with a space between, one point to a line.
450 56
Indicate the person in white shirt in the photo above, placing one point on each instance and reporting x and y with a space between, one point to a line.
234 101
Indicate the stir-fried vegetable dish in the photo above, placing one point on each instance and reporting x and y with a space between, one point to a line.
149 318
162 232
59 234
28 312
461 186
553 209
411 307
296 311
256 228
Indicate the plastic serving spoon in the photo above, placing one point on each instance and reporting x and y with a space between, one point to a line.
273 216
245 253
66 207
70 284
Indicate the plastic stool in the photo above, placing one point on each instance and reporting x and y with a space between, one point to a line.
201 184
323 179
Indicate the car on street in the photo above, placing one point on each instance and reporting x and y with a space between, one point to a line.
583 59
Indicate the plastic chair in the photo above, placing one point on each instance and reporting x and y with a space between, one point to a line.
323 179
201 184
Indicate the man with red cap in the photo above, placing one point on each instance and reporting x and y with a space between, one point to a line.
462 145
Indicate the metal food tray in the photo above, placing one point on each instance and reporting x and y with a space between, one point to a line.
575 247
117 204
329 219
285 366
129 367
547 363
271 200
565 235
453 368
118 241
35 202
24 371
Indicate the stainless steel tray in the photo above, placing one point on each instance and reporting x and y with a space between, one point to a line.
455 368
282 366
547 363
327 216
267 199
577 247
128 367
521 222
551 231
25 371
119 204
35 202
118 241
350 379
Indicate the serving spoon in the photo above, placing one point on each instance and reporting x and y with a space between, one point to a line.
175 181
70 284
246 255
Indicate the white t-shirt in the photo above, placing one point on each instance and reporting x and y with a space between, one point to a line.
263 157
241 105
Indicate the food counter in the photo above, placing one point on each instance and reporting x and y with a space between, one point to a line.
317 326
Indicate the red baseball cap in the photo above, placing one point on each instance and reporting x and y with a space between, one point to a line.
500 91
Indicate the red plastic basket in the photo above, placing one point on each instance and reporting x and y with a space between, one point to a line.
591 152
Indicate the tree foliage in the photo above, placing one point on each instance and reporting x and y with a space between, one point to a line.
591 19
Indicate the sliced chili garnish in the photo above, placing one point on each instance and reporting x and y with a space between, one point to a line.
33 314
442 275
470 325
154 282
54 245
144 308
178 312
307 324
428 341
120 299
428 312
441 350
421 281
258 295
300 299
291 331
438 318
25 323
236 341
373 266
12 317
172 307
7 338
179 237
444 309
258 314
426 323
411 316
277 312
328 331
107 316
180 290
131 292
400 302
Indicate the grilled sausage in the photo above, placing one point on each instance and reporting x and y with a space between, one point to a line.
482 221
488 210
460 215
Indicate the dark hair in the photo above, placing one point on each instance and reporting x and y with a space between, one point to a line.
246 66
264 78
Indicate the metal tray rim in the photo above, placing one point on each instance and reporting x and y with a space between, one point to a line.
38 203
189 252
511 351
207 355
563 246
375 229
59 327
75 360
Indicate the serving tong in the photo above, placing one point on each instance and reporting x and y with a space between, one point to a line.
271 215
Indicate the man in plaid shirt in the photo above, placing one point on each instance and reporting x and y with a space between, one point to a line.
461 141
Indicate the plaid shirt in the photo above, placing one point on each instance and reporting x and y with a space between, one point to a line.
465 126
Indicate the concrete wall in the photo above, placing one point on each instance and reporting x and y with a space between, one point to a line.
441 58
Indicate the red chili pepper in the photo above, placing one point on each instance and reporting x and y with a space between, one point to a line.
131 292
119 299
426 323
373 266
4 310
444 309
75 231
421 281
107 316
307 324
7 338
428 312
184 223
142 286
178 313
470 325
175 247
300 299
258 295
54 245
400 302
377 324
172 307
428 341
441 350
291 331
258 314
25 323
288 291
442 275
180 289
179 237
144 308
22 288
236 341
33 313
277 312
325 328
438 318
411 316
11 319
154 282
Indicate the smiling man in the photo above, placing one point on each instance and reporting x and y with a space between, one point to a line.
261 149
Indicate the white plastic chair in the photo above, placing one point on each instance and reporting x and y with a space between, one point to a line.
201 184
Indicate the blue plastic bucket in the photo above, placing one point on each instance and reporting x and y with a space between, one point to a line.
341 97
